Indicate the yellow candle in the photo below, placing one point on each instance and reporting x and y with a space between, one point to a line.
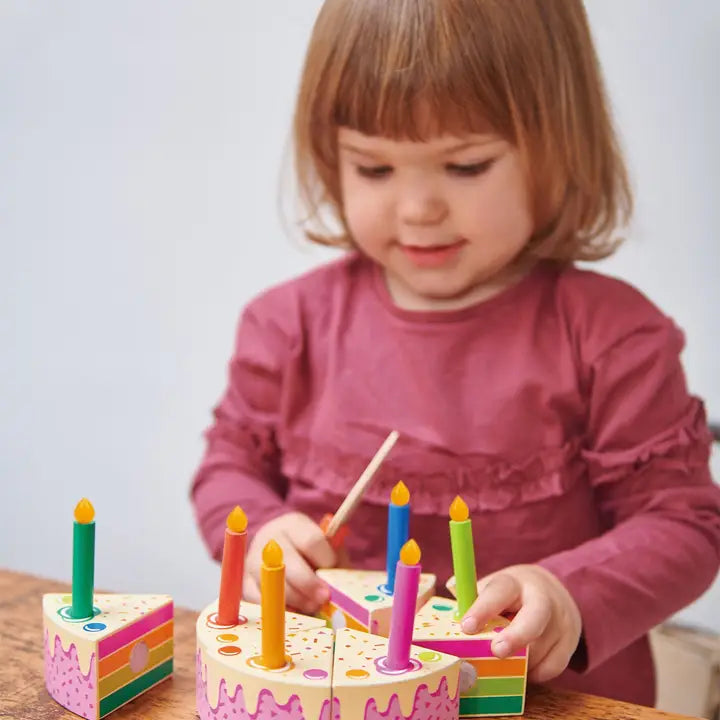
272 605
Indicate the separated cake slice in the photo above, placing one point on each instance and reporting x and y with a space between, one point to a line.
358 599
95 665
488 685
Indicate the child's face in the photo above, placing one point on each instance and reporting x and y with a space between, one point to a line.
444 218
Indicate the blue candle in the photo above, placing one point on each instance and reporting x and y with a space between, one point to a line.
398 521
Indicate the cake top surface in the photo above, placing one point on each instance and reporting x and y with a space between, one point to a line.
359 657
115 613
367 587
308 644
437 620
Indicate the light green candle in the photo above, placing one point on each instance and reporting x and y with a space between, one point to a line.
83 576
463 554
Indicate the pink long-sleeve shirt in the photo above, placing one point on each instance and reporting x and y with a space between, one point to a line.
557 409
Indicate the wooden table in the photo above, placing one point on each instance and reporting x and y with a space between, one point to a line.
23 695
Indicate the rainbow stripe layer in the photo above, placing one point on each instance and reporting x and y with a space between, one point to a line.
135 659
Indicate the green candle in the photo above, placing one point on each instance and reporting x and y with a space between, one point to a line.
463 553
83 576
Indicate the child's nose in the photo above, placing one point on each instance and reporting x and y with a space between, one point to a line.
422 208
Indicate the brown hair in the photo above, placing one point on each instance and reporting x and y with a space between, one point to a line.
526 68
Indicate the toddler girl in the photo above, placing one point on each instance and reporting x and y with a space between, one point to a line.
463 153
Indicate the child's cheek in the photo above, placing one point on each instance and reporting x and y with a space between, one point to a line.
366 219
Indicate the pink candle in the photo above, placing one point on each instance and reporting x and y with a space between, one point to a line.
407 581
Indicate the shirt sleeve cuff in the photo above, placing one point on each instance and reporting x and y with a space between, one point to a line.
595 646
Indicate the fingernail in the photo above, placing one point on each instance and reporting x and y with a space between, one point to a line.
322 595
501 648
469 625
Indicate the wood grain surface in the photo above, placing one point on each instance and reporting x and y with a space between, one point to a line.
23 695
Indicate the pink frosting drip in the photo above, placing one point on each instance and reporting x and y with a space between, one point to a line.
233 707
65 681
427 706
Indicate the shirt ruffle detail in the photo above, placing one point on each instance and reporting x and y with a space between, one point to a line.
486 483
682 448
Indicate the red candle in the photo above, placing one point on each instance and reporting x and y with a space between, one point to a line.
233 563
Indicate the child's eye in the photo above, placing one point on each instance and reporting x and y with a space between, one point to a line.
470 170
374 172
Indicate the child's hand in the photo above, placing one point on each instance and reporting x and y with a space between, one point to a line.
547 617
304 548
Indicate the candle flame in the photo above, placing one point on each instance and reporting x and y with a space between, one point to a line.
272 555
410 553
400 495
84 512
237 520
459 510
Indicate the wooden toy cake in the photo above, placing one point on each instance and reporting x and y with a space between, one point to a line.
268 664
383 649
329 675
103 650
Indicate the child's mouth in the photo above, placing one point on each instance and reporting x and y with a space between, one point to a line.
432 255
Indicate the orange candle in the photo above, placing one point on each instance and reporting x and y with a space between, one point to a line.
233 564
272 605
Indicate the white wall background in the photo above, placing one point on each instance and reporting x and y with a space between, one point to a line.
140 153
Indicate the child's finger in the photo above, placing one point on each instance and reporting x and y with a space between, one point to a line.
528 625
297 601
302 577
311 542
251 590
501 593
555 660
540 652
540 648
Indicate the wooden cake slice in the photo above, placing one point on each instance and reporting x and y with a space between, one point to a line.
364 690
95 665
489 686
358 599
231 681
